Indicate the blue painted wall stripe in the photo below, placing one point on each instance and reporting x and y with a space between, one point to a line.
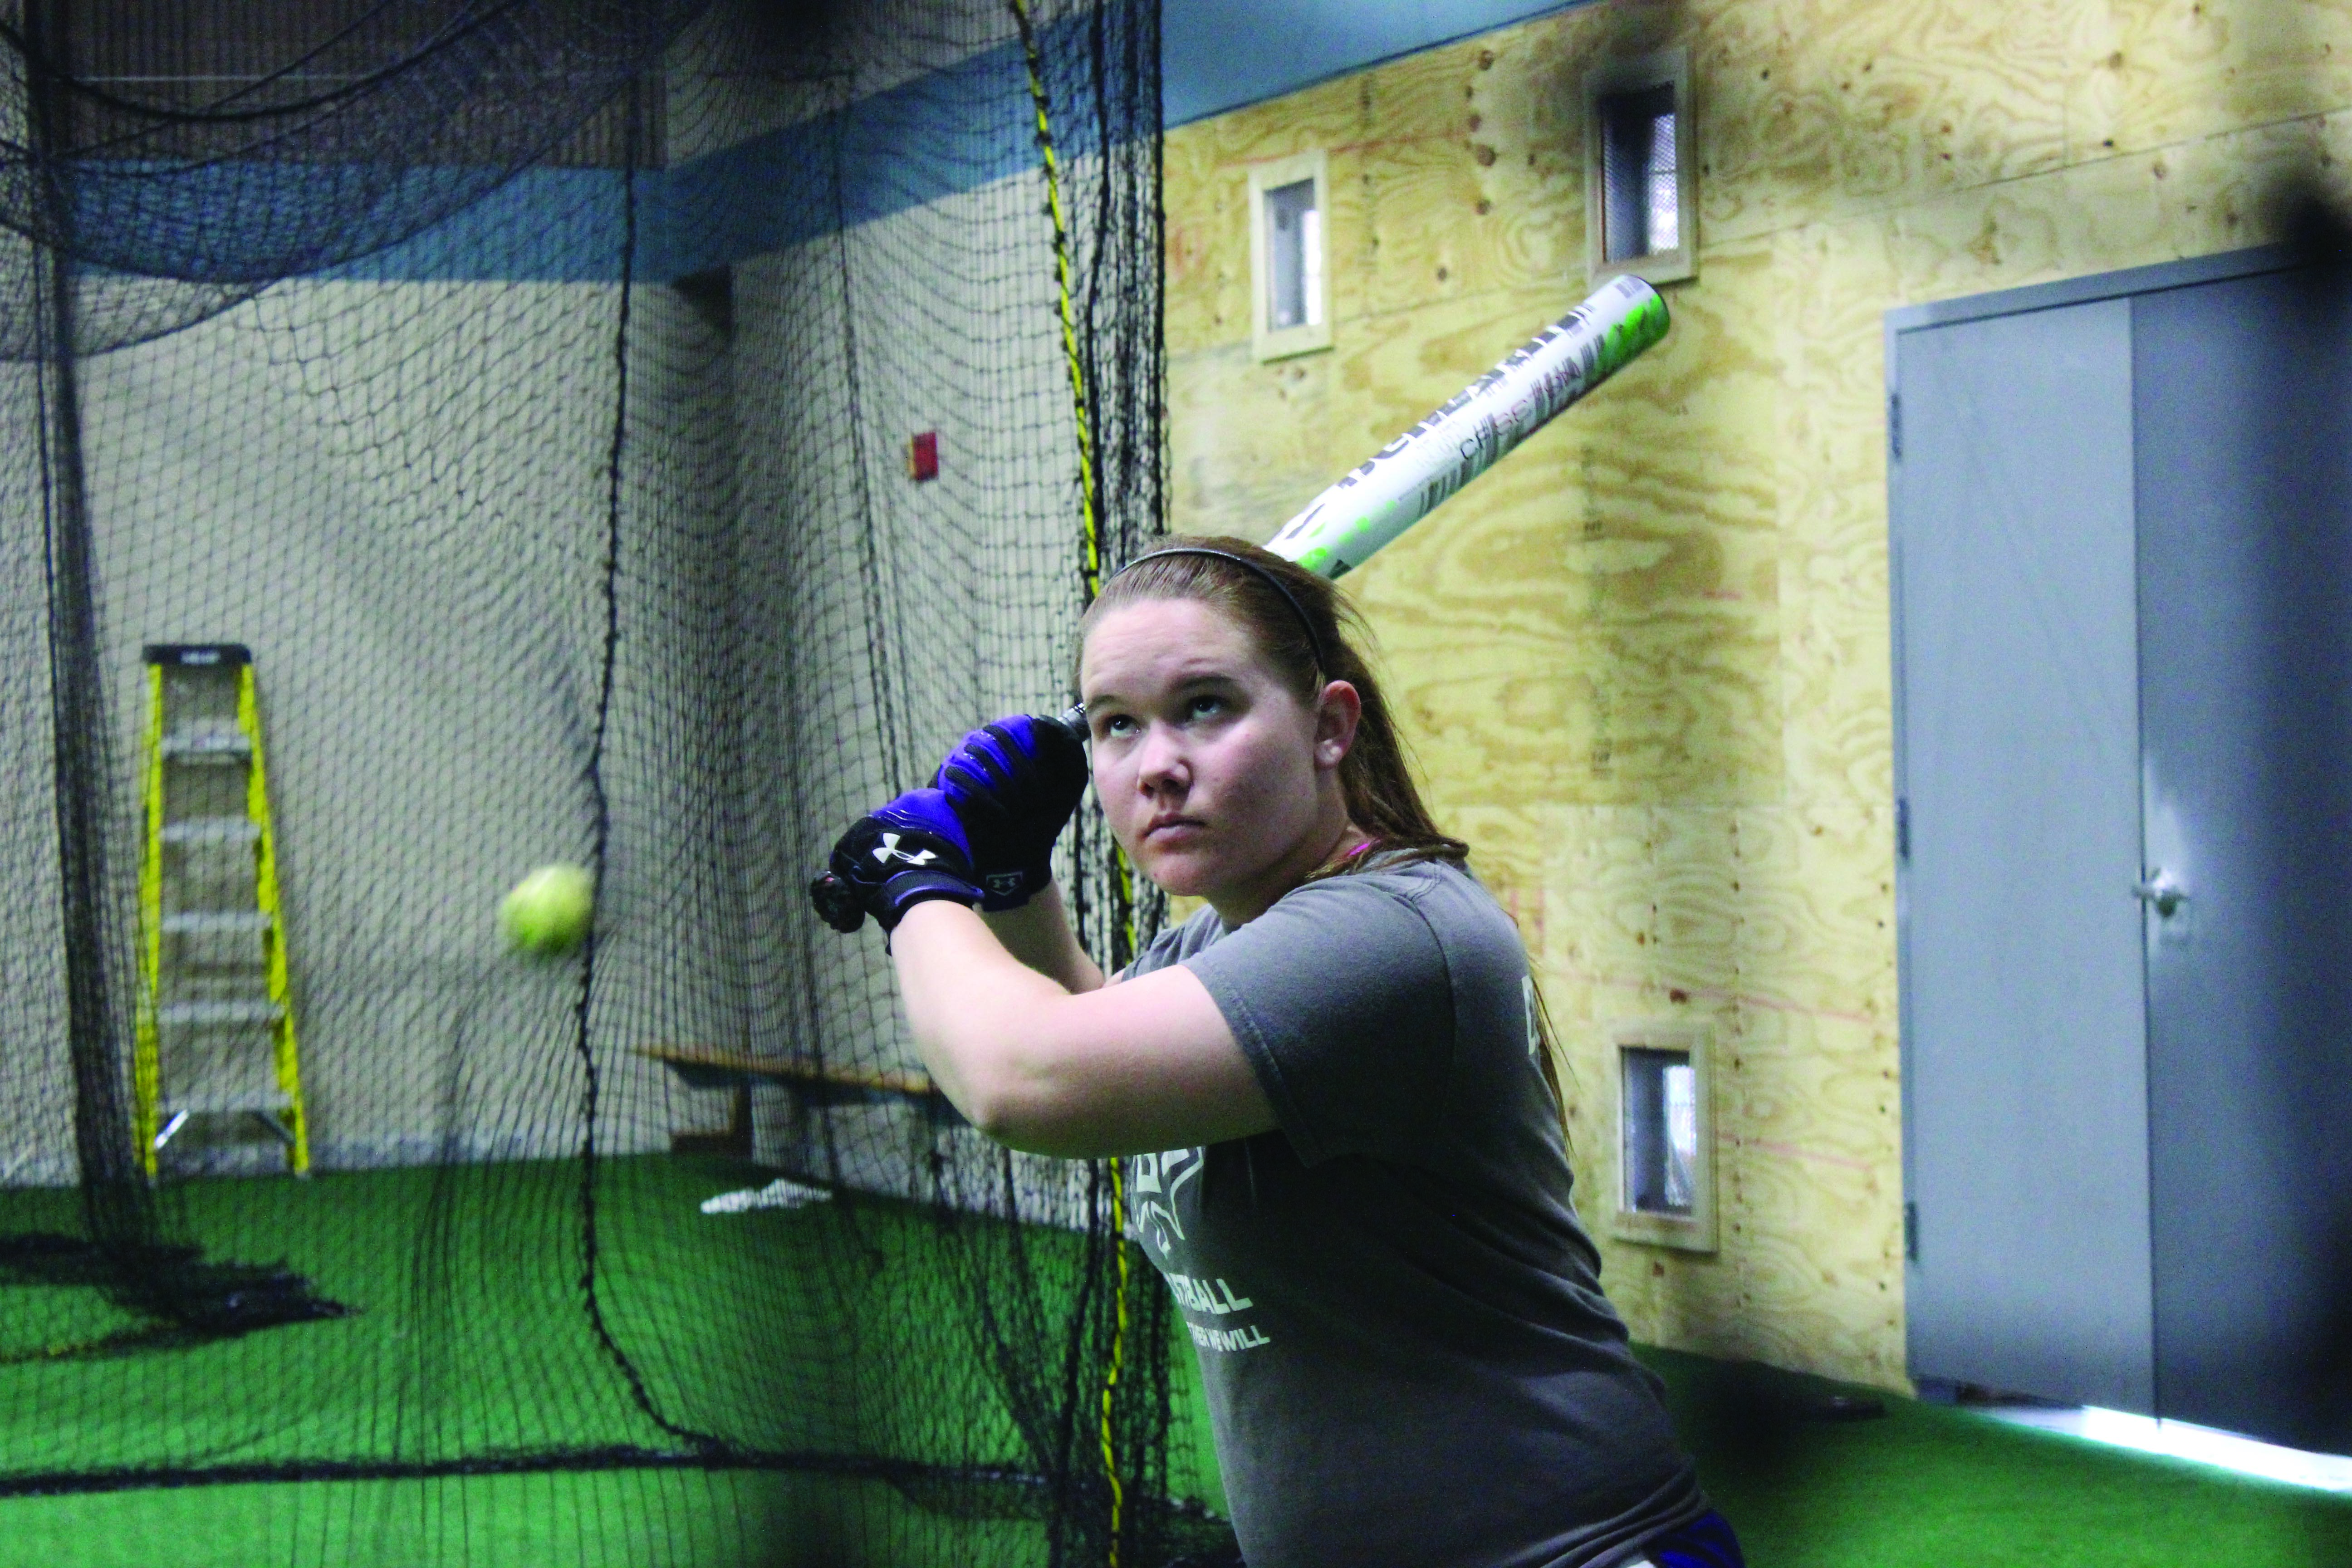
1219 55
904 148
900 149
544 226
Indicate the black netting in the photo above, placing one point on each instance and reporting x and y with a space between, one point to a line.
529 387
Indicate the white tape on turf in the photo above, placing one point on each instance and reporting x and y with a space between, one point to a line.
779 1193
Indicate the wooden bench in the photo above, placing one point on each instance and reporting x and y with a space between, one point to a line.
813 1085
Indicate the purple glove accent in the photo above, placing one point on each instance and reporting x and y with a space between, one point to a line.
911 850
1706 1542
925 811
1013 784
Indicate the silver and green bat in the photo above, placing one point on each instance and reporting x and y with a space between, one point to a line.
1413 475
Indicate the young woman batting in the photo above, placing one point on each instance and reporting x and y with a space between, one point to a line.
1344 1148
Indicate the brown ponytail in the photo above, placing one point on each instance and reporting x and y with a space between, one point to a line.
1374 778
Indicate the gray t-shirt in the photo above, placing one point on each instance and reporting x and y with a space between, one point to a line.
1408 1358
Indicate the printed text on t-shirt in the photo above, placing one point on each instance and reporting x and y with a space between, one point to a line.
1207 1295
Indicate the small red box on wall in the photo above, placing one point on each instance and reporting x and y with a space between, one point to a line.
923 457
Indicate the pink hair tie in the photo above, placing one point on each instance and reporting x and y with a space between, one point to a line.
1361 845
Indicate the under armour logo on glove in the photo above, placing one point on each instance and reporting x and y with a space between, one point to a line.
909 851
888 850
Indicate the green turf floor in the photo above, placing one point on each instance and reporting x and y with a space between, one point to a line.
836 1331
1933 1486
1925 1487
818 1330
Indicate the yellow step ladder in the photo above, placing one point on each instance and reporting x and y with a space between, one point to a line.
216 1018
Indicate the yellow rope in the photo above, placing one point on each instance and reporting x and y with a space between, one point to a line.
146 1050
1093 544
1062 278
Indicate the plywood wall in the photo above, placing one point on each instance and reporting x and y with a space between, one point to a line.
1645 661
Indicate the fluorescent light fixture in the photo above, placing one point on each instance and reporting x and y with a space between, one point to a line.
2182 1440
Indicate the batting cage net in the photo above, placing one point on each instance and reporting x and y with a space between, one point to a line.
447 437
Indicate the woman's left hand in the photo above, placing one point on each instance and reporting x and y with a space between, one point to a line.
1013 784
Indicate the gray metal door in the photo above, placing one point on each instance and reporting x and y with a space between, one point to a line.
2018 781
2244 403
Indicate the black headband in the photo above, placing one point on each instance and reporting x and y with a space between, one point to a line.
1315 643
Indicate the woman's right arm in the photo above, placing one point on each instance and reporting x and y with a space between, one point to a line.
1038 933
1150 1063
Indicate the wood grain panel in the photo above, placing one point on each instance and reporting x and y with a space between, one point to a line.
1766 923
1819 1195
1208 273
1811 109
1817 917
1473 168
1630 935
1835 659
1633 657
1645 661
2187 200
1257 442
1206 193
2160 72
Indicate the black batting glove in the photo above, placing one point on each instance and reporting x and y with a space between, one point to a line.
911 850
1014 785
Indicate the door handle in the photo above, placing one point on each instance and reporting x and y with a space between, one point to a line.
2161 891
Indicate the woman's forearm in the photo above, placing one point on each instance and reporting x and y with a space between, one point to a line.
1146 1064
968 999
1038 933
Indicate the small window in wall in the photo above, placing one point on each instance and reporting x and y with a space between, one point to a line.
1290 311
1641 184
1665 1135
